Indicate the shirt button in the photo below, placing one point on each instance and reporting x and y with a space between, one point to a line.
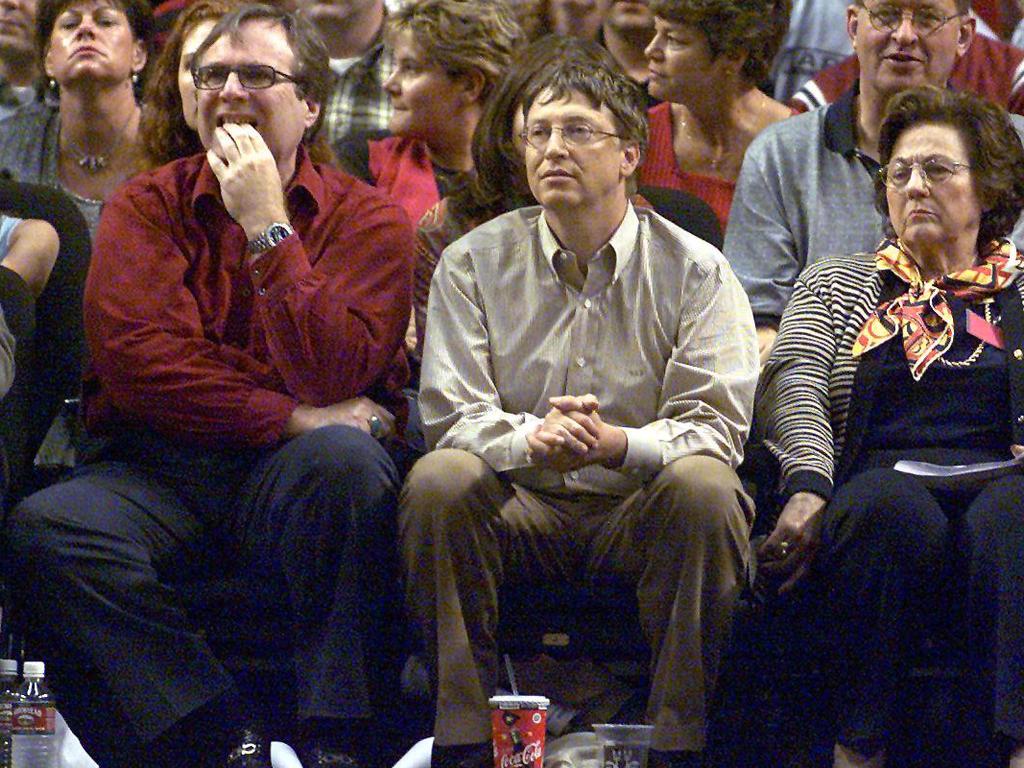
256 272
262 291
246 292
588 302
581 362
1018 354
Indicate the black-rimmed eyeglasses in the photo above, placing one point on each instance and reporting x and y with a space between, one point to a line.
212 77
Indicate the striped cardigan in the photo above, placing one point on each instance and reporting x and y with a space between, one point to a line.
814 398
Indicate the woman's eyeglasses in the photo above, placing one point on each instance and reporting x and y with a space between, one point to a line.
933 170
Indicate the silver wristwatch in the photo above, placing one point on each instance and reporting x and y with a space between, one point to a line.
270 237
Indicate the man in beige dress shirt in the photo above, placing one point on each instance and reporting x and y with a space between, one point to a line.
587 381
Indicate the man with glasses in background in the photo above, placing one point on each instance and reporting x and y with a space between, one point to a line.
587 382
805 190
245 312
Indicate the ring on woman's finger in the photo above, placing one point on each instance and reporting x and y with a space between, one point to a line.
783 548
376 426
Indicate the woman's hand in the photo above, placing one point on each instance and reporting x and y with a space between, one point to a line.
788 552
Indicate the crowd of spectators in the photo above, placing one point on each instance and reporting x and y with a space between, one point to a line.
433 297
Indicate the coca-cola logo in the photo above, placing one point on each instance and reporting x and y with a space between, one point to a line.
530 754
27 717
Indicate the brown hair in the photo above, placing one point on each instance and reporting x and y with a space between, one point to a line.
603 84
140 19
462 36
164 134
498 183
752 27
312 64
993 147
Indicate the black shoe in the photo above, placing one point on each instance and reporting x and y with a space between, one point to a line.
250 749
462 756
317 756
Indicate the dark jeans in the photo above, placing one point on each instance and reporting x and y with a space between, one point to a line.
897 559
90 560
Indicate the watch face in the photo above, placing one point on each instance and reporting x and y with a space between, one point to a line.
274 234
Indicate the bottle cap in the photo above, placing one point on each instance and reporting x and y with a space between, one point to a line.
34 669
9 667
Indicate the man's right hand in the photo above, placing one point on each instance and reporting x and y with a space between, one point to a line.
562 441
355 412
250 183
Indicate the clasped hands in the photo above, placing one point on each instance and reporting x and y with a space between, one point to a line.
574 435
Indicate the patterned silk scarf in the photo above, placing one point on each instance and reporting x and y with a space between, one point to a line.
922 312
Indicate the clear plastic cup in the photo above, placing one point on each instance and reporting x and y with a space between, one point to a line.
624 745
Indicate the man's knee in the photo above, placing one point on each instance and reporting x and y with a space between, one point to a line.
31 532
700 494
440 488
342 457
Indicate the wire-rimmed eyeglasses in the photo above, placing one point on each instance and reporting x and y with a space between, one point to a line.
925 21
933 170
574 134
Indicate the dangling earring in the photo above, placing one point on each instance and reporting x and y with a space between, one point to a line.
51 84
135 78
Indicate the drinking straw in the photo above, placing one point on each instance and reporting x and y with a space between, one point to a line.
511 675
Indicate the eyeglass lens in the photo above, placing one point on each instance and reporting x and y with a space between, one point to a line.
933 171
888 18
256 76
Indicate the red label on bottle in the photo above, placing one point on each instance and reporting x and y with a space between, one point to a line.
33 718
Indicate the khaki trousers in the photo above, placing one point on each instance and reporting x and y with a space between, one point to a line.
683 539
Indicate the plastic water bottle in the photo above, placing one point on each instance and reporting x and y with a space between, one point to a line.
8 693
33 722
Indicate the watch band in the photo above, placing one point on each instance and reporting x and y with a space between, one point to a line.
270 237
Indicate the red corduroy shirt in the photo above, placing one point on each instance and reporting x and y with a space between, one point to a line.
188 338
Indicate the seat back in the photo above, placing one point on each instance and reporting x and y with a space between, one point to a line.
53 354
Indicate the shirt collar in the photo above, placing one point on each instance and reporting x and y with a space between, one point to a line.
621 244
305 188
840 123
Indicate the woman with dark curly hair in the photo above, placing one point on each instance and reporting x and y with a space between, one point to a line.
168 126
913 352
705 62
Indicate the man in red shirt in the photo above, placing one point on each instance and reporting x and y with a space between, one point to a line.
245 312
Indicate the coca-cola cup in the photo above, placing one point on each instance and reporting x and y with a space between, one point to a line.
624 746
517 725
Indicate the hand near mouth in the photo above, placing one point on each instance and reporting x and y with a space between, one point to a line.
250 184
